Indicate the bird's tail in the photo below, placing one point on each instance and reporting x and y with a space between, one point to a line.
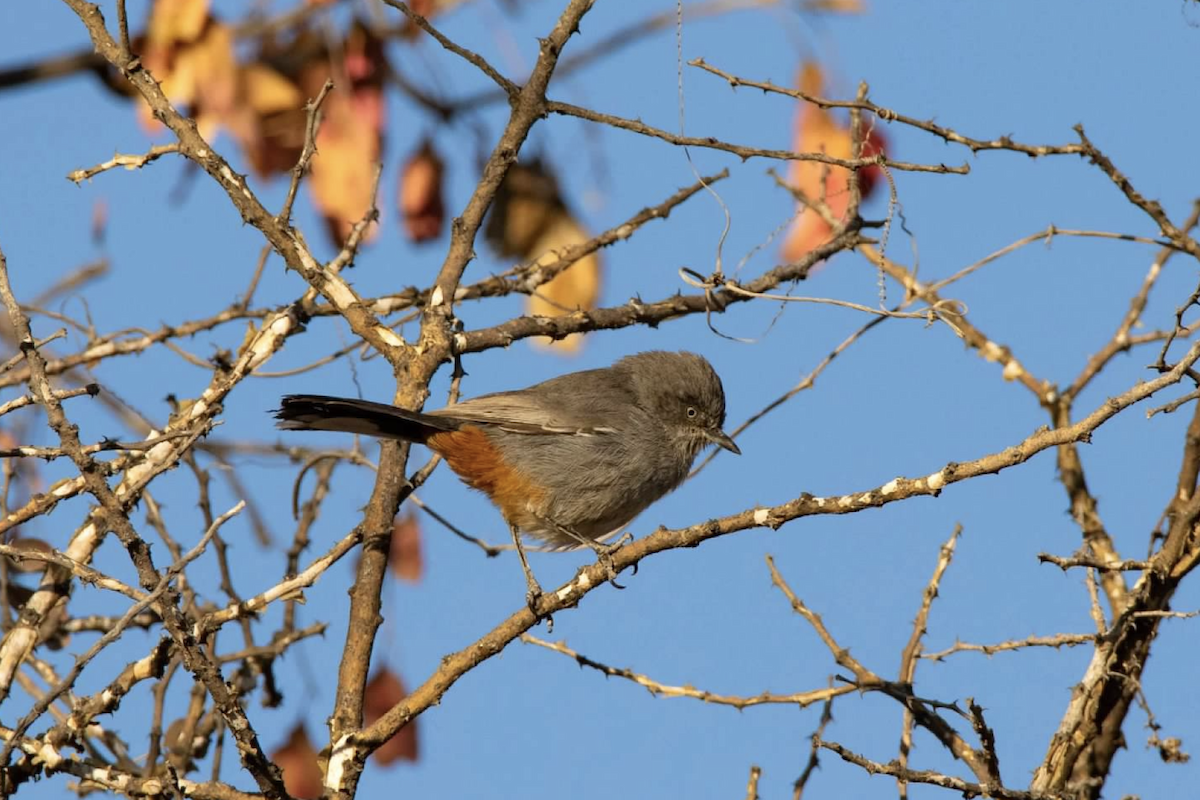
314 412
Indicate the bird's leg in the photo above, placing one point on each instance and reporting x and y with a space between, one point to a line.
534 592
603 551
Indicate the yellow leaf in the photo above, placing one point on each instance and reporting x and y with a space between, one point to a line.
268 92
576 287
176 21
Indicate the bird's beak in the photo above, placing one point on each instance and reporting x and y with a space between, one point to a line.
721 439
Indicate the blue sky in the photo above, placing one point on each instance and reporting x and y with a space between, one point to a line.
905 400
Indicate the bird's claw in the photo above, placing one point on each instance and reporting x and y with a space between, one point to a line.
604 556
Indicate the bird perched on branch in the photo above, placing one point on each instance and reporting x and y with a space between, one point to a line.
569 461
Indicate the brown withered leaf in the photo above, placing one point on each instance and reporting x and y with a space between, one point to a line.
302 774
529 220
404 559
817 130
29 550
173 738
270 119
525 205
576 287
276 85
420 202
382 692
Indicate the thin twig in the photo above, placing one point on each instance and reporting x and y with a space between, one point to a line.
129 162
1056 641
801 699
313 110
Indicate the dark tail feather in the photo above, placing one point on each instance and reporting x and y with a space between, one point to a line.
314 412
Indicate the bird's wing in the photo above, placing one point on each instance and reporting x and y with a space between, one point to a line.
542 410
523 415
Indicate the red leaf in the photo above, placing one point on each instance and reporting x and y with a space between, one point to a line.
404 559
382 693
420 202
302 774
818 131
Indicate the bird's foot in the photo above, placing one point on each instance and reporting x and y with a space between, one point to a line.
604 553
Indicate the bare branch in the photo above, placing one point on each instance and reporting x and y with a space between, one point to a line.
658 689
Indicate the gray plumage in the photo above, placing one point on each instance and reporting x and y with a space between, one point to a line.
604 443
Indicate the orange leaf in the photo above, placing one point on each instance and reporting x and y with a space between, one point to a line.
836 6
383 692
420 201
173 21
266 91
215 72
343 170
350 138
818 131
576 287
302 774
200 72
404 559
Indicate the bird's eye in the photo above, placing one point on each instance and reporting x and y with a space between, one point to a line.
692 412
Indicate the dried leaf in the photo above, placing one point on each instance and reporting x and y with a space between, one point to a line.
27 561
175 21
576 287
302 774
351 135
817 130
405 559
275 86
99 221
530 221
343 171
275 142
421 207
526 203
173 738
383 692
268 120
267 91
198 73
836 6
